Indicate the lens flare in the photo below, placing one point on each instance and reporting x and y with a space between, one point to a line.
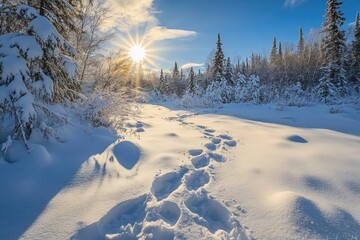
137 53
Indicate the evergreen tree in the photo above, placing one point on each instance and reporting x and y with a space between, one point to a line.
164 87
301 43
191 86
229 73
218 61
280 58
273 54
355 56
175 72
333 43
33 63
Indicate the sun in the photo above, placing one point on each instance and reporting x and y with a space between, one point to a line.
137 53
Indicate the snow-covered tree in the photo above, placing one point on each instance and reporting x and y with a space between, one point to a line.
301 42
217 70
229 73
355 55
34 71
191 85
273 54
333 43
163 85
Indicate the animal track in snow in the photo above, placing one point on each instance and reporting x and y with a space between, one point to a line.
226 137
200 161
168 211
195 152
209 130
125 219
217 157
210 213
216 140
196 180
166 184
210 146
231 143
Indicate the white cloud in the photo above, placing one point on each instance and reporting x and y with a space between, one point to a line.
293 3
189 65
161 33
126 15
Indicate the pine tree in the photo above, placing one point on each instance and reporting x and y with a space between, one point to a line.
218 61
229 73
175 72
301 43
355 56
273 54
333 43
163 86
191 86
280 57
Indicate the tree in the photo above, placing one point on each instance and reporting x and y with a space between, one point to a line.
301 43
175 72
229 73
355 56
28 81
191 86
333 44
163 88
273 54
218 61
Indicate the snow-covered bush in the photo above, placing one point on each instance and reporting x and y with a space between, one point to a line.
247 89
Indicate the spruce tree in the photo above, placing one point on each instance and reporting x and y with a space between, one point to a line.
273 54
164 88
301 43
191 86
175 73
280 57
333 43
355 56
229 74
218 61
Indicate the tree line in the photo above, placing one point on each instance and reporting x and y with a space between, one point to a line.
324 68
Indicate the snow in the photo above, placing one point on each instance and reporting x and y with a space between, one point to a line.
45 31
240 172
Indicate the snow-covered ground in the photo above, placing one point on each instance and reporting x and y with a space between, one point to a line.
240 172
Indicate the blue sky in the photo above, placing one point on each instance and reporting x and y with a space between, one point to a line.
186 30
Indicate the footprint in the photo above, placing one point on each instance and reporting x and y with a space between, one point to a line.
200 161
226 137
210 146
217 157
169 212
196 180
140 130
210 213
125 219
154 232
166 184
216 140
195 152
209 130
231 143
